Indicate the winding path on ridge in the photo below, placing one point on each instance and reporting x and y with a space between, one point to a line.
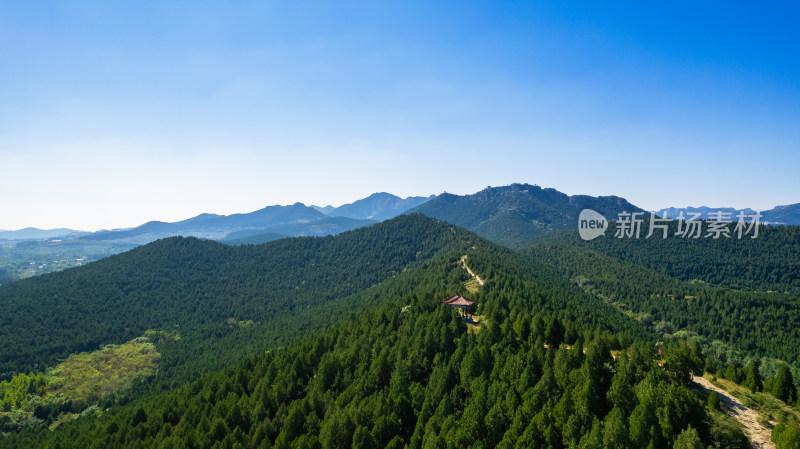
464 262
758 435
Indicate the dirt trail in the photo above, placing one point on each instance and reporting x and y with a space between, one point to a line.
759 435
464 261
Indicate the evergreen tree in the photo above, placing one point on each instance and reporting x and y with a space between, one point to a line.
783 384
594 438
642 423
786 435
555 333
615 430
713 400
753 379
688 439
732 374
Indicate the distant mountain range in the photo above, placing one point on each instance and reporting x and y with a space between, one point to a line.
378 206
515 214
704 211
511 215
39 234
326 226
211 226
779 215
295 220
785 215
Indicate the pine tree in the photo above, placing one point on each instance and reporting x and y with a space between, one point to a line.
641 421
554 333
732 374
593 439
783 384
139 417
615 430
688 439
218 430
713 400
753 380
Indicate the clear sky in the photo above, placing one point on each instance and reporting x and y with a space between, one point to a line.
116 113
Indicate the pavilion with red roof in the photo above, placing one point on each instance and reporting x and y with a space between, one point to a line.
460 302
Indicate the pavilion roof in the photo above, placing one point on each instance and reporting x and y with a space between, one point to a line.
458 300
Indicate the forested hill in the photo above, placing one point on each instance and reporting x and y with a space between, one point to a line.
513 215
769 262
409 373
187 284
737 294
549 363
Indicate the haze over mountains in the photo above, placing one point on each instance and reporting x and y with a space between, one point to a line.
503 214
293 220
378 206
215 227
30 252
511 215
39 234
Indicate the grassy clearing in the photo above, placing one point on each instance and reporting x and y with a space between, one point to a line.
65 391
472 285
87 377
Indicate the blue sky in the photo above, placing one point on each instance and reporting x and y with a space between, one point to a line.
116 113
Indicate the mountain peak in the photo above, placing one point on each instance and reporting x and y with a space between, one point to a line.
377 206
516 213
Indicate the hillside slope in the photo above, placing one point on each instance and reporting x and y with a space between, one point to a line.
188 284
679 286
515 214
766 263
409 373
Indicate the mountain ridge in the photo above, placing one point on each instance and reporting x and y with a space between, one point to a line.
514 214
31 233
788 214
216 226
377 206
